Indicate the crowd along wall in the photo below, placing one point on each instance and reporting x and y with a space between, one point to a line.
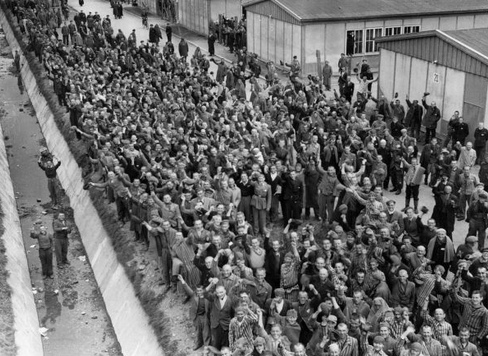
131 324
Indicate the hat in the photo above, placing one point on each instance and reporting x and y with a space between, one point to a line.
342 207
484 249
332 318
480 184
398 309
369 231
416 347
259 341
395 260
483 196
292 313
188 181
238 256
378 340
157 220
279 292
471 239
289 255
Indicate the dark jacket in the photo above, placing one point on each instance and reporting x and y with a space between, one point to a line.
432 115
414 114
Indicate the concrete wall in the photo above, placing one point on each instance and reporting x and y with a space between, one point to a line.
131 324
26 322
412 76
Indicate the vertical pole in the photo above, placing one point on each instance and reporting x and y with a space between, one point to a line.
319 71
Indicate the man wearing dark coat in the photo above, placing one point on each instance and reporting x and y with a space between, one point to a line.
183 48
211 44
169 32
445 207
431 118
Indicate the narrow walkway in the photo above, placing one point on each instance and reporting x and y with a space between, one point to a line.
70 307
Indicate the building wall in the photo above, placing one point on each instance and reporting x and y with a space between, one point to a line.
228 8
451 89
330 38
194 15
273 39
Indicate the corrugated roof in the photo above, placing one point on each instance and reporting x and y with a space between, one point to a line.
333 10
473 42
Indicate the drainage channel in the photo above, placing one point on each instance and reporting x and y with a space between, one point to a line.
72 315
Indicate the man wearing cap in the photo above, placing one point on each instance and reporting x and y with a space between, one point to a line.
294 68
328 190
467 183
323 330
259 346
413 178
46 243
428 158
477 217
415 349
260 204
479 189
480 139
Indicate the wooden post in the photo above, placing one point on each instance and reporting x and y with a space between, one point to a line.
319 70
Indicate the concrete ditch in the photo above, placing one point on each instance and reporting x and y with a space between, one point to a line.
130 322
26 322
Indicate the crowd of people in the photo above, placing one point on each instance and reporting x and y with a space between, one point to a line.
230 32
226 188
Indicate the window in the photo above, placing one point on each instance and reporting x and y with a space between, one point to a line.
371 34
391 31
354 42
411 29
